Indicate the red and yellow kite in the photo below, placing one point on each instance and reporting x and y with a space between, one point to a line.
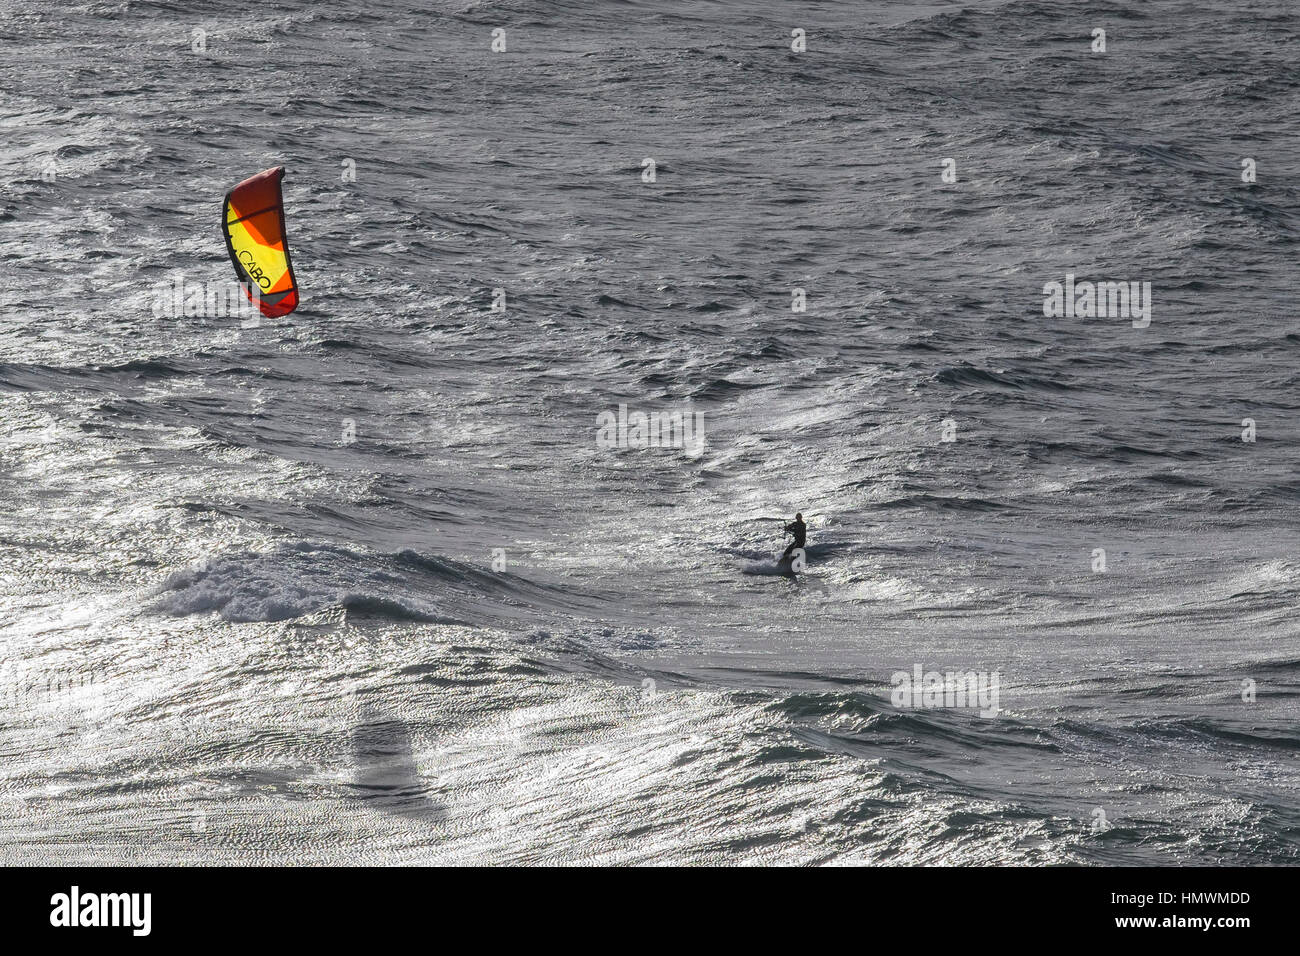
255 239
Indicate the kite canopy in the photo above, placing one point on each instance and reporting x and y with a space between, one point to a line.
255 239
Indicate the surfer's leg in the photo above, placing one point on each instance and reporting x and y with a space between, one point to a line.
786 556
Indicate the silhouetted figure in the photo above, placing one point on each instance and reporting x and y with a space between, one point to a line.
800 532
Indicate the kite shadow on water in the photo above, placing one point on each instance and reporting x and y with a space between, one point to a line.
387 776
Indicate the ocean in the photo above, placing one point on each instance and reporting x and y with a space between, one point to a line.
408 577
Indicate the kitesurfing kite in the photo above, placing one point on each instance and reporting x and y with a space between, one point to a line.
255 239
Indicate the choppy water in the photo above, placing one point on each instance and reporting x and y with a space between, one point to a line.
250 606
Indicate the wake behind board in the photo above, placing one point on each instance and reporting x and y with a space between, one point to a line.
780 568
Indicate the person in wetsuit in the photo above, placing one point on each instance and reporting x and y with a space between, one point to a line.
800 532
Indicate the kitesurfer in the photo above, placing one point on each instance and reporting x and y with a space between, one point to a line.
800 532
